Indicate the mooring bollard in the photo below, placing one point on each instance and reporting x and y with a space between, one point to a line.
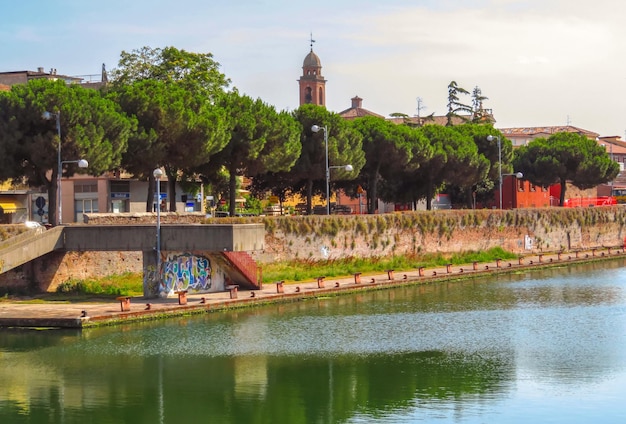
232 289
280 286
320 282
124 303
182 297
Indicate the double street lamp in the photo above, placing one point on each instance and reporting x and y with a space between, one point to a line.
500 174
490 138
316 128
82 163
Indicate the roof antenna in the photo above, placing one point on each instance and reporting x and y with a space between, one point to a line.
420 107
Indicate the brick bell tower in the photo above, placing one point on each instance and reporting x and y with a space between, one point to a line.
312 83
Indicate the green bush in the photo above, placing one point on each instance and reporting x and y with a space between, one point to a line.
128 284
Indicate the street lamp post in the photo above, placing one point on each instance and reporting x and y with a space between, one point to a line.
490 138
316 128
82 163
157 173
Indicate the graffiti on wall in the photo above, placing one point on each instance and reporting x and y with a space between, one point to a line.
185 271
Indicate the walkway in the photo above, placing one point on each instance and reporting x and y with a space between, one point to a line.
86 314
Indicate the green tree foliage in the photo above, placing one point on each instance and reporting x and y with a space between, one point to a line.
344 148
484 189
92 128
454 160
178 129
479 113
454 104
177 111
193 71
564 157
260 140
387 147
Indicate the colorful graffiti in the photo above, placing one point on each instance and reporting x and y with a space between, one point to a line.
185 271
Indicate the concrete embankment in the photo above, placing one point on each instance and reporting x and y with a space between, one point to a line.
91 314
311 238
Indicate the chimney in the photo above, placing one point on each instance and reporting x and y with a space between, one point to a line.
357 102
40 69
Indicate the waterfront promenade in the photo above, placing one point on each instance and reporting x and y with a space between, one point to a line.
85 314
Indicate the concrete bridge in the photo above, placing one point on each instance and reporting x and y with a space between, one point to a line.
202 250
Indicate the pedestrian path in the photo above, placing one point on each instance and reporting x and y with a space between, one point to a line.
86 314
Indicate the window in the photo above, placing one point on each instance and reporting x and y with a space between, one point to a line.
520 184
86 205
120 186
82 206
86 187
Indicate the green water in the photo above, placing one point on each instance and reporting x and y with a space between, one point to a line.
543 347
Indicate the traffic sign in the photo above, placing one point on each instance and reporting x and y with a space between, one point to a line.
40 202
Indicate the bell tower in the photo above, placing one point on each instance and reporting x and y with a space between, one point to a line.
312 83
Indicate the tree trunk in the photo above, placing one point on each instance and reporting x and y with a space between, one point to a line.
151 194
469 198
563 188
232 192
309 196
429 195
372 195
171 188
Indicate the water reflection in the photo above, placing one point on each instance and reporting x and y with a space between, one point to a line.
453 352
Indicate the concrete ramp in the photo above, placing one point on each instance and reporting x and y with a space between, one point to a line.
28 246
80 238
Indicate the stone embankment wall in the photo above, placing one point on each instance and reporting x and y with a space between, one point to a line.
337 236
446 232
313 238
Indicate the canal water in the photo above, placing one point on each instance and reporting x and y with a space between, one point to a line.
535 347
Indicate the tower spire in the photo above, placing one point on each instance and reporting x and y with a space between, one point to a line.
312 83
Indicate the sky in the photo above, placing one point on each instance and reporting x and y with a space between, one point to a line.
539 62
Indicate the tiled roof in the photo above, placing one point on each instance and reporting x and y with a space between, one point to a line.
540 131
357 112
426 120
